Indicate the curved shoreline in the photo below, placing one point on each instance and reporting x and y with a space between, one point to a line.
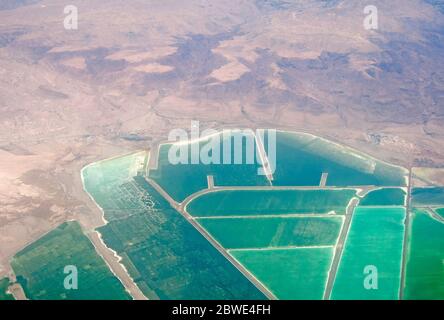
129 285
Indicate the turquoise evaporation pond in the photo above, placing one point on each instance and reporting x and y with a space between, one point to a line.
164 254
384 197
425 262
290 274
270 202
300 161
375 239
302 158
182 180
235 233
428 196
